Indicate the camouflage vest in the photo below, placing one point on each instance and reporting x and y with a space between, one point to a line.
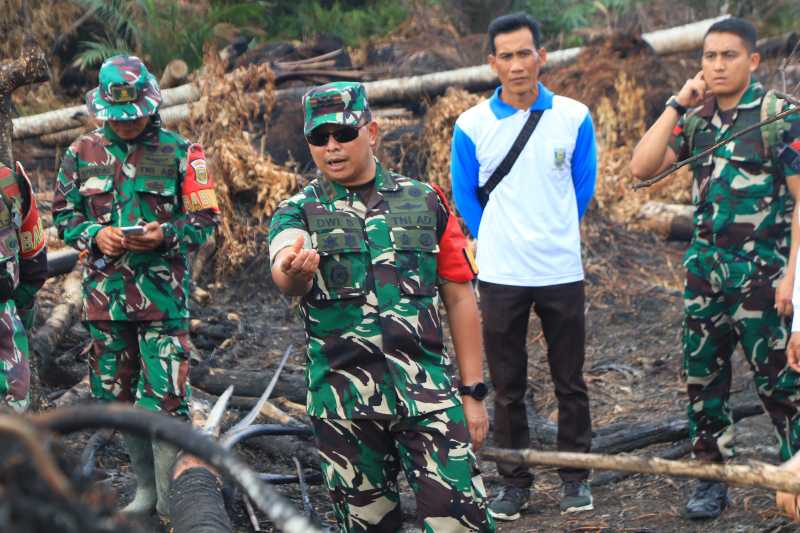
10 223
375 339
155 184
125 184
344 241
743 204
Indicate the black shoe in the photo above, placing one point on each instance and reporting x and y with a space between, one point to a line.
708 501
508 504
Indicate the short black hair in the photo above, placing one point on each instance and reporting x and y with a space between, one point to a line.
742 28
513 22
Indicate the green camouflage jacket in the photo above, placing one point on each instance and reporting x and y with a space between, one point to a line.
105 181
743 207
375 346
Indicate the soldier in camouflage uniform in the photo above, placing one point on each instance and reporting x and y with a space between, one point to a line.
371 252
131 172
23 270
739 266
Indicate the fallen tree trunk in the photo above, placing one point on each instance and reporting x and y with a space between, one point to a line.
636 436
752 475
175 73
48 336
670 221
79 392
281 449
174 107
247 383
270 409
777 45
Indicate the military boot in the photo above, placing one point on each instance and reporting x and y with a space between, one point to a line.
164 460
141 453
708 501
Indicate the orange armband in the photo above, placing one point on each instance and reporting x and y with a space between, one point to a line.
31 231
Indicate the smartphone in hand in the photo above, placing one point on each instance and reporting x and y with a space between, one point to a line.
132 230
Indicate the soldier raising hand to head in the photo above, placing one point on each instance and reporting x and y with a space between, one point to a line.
740 265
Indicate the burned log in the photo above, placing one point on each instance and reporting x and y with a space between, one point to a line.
778 45
30 67
670 221
80 392
182 435
246 383
48 336
635 436
271 410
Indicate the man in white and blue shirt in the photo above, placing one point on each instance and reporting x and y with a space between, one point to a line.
529 250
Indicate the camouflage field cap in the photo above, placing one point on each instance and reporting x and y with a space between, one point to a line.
126 91
340 102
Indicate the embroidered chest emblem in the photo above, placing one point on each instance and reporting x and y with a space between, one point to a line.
559 158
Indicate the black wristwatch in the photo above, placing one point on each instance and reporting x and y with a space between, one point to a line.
674 104
476 390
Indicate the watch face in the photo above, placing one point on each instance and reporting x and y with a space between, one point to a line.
479 391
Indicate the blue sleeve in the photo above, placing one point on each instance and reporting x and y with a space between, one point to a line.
464 170
584 165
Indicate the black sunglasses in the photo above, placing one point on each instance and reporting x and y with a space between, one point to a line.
319 137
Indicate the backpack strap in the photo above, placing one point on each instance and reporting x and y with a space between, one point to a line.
772 133
694 123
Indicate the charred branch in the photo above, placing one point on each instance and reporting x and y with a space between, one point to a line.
182 435
30 67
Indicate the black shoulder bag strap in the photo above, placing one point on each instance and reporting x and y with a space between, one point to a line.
511 157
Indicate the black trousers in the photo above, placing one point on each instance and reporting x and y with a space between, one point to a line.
505 310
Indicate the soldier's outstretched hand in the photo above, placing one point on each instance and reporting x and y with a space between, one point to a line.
299 263
793 351
110 241
151 239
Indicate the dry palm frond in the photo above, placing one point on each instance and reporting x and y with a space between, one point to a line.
220 121
439 122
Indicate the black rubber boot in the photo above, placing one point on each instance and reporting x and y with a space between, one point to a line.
708 500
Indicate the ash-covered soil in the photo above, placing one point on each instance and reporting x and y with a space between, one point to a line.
632 369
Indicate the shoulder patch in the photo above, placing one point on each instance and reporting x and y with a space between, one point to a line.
198 188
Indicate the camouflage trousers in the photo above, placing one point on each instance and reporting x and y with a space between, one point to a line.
146 363
726 304
15 374
361 460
